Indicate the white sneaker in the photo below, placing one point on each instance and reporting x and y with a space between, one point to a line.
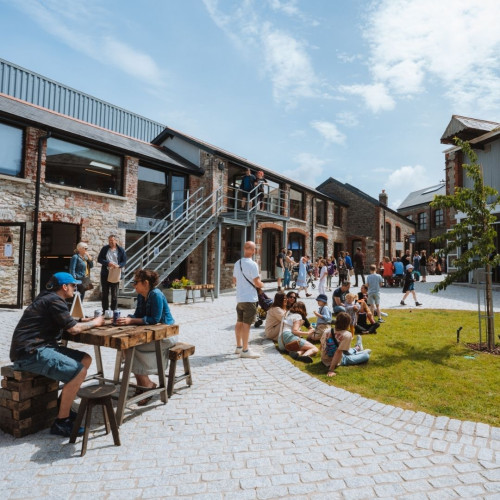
249 354
383 314
238 350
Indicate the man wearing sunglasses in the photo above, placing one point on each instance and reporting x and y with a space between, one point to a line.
35 345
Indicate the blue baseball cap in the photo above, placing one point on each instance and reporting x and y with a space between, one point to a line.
65 279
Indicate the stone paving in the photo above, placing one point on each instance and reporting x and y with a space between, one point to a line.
259 429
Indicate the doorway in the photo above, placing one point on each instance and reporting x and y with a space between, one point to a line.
12 241
58 244
270 248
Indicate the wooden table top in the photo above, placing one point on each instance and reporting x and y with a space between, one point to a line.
123 337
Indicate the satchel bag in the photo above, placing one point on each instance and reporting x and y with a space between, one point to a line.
86 283
114 274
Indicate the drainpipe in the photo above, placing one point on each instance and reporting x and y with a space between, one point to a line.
36 214
312 227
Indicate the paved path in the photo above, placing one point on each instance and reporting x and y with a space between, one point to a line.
245 431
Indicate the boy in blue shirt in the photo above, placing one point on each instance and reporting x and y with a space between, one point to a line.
324 319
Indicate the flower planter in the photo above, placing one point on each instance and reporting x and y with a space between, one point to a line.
175 295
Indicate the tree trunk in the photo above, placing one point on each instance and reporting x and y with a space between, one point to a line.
490 328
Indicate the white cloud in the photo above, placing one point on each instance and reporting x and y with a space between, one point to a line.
290 8
309 170
414 43
375 96
329 131
286 61
407 179
347 119
82 27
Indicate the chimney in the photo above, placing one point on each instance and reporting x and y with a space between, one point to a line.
382 197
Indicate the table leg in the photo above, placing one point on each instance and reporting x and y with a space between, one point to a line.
98 362
161 371
118 365
122 398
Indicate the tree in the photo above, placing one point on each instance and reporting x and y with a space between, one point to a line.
475 231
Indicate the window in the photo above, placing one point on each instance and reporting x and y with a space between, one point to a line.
11 150
337 216
321 212
388 239
296 245
233 244
274 197
439 218
82 167
398 239
422 221
297 204
320 247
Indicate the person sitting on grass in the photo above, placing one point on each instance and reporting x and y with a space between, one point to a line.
290 339
409 286
323 318
275 315
366 322
336 348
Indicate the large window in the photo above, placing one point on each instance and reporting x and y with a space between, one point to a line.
82 167
337 216
439 218
159 193
422 221
297 206
11 150
233 244
296 245
321 212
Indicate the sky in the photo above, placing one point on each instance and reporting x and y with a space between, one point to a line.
358 90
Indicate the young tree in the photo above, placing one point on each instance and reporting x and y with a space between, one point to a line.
475 231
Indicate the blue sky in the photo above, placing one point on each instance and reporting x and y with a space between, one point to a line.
357 90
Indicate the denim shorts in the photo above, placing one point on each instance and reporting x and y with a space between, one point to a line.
55 362
373 299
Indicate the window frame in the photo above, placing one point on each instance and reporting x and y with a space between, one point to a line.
321 216
438 212
233 251
300 205
337 215
21 173
422 221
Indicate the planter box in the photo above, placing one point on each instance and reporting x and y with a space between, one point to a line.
175 295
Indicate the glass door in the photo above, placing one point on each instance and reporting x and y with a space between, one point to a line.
12 241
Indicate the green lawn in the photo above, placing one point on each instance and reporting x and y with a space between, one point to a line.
417 364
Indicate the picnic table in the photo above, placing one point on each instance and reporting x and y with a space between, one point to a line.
125 339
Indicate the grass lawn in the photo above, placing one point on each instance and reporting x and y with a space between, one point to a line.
416 364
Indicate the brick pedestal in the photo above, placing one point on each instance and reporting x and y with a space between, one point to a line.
28 402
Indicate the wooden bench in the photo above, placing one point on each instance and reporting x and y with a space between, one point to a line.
203 289
28 402
175 353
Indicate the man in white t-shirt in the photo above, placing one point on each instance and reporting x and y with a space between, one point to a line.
247 280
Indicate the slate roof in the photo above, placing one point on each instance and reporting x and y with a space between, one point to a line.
66 128
466 129
423 196
239 160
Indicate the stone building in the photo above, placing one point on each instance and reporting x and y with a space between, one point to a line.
371 225
429 222
484 138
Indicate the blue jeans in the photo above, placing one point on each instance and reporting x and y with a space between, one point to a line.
354 357
338 309
286 279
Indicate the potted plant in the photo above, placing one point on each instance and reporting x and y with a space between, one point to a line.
177 290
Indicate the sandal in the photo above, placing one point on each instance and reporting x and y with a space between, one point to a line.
145 401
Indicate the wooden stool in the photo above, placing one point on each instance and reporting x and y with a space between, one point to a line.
179 351
208 288
91 396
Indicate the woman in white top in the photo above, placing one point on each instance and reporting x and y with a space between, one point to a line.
291 334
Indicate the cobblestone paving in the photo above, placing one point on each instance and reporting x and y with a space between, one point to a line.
259 429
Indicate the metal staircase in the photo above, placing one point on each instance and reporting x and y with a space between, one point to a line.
174 237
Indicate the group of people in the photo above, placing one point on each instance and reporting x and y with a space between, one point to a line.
36 346
247 186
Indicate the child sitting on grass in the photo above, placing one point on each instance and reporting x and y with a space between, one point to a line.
324 318
336 348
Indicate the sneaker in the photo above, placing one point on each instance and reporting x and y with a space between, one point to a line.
418 304
293 354
308 294
368 351
380 320
383 314
64 428
305 359
359 344
249 354
238 350
402 303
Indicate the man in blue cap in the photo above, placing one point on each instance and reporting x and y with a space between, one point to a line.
35 345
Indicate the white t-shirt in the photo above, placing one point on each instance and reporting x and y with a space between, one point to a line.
245 291
289 320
